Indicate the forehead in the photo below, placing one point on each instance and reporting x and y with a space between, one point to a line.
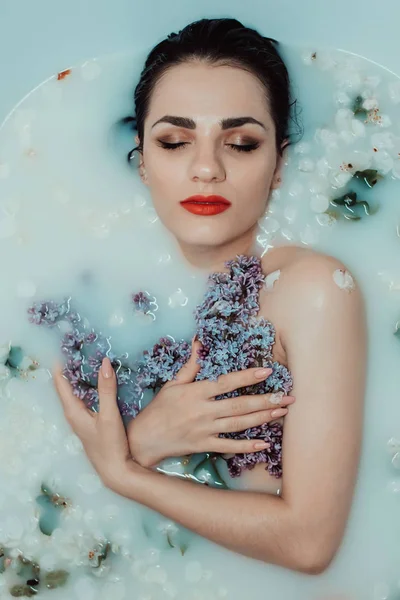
192 89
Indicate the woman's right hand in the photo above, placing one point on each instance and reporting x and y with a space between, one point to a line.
184 418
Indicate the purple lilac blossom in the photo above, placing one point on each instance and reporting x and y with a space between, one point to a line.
84 351
144 302
232 338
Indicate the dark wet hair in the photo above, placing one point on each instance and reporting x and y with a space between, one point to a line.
219 42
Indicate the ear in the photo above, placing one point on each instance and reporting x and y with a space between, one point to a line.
142 169
277 178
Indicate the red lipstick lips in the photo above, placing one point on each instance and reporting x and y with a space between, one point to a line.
205 206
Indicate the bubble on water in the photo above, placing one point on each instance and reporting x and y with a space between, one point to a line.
64 327
222 592
358 128
156 574
396 170
8 227
84 589
381 591
295 189
110 512
164 259
302 148
90 70
383 162
47 562
319 203
342 98
394 91
89 483
114 590
323 166
116 319
193 571
73 445
178 299
347 137
270 225
271 279
393 445
309 236
343 119
396 461
385 121
327 138
290 213
170 590
26 289
4 170
306 165
287 234
152 555
4 351
5 373
370 103
151 215
340 178
13 529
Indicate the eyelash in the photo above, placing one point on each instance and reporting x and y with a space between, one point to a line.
237 147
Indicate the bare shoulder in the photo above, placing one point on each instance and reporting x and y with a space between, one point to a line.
300 281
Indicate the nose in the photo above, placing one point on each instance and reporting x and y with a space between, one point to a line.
207 166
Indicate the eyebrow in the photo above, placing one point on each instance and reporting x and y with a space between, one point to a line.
229 123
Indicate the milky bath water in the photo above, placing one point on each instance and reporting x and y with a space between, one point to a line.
76 222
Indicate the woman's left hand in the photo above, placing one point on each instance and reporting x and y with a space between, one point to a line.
102 434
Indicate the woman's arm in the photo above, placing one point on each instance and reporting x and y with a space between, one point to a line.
326 344
325 341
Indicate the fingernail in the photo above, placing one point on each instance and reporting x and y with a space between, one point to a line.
279 412
261 445
262 373
106 368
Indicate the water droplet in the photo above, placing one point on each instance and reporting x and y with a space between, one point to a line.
385 121
170 590
287 234
4 373
89 483
295 189
340 178
193 572
342 98
319 203
344 280
177 299
151 216
393 446
26 289
358 128
271 279
90 70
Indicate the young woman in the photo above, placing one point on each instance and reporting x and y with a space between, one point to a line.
212 112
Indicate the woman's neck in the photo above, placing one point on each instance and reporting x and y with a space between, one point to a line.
213 258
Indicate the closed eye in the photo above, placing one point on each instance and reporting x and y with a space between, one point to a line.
237 147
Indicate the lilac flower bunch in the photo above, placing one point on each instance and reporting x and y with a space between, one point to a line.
84 350
232 338
144 303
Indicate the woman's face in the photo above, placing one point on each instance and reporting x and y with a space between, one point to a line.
209 132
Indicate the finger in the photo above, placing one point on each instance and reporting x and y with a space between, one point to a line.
72 405
234 424
226 446
243 405
107 387
234 381
188 372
